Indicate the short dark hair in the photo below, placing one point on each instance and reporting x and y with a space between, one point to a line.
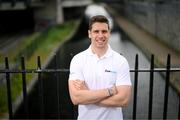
98 18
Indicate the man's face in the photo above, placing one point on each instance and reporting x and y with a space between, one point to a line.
99 35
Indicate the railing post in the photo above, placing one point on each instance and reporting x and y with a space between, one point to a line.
179 109
167 86
57 80
41 94
24 87
8 83
151 87
135 87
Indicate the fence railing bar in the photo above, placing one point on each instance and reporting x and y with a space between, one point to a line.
57 80
167 87
151 87
41 93
67 70
33 71
24 88
135 87
8 83
155 70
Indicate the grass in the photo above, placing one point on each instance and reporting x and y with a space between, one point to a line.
42 44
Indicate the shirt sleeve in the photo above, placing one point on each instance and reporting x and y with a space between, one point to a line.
123 74
75 69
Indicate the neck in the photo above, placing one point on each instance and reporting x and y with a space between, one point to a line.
99 51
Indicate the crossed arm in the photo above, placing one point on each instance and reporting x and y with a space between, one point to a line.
80 94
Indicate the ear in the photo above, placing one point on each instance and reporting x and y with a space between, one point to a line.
89 33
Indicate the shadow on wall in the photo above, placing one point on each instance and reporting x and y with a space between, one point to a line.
14 21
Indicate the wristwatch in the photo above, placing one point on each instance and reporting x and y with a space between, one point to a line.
110 91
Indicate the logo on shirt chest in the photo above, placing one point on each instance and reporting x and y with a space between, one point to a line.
110 77
109 71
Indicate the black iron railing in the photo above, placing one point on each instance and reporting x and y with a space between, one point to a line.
7 71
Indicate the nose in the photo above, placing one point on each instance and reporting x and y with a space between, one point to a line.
100 34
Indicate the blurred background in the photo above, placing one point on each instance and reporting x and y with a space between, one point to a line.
144 31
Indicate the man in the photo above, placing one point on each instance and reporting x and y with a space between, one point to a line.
99 80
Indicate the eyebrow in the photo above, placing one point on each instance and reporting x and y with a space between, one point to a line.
100 30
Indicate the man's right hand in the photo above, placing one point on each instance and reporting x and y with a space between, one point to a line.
80 85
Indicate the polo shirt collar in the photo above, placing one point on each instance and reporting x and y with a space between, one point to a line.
107 54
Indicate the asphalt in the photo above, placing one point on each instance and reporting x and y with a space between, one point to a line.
150 45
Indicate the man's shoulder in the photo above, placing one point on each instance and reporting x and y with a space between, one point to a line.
118 57
80 55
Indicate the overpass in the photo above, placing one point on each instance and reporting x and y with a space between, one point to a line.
23 4
46 11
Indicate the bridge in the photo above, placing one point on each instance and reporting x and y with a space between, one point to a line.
23 4
45 10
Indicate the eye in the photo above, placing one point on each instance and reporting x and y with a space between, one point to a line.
104 31
96 31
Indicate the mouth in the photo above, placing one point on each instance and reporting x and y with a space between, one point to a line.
100 41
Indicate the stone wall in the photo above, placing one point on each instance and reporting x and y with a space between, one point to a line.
160 19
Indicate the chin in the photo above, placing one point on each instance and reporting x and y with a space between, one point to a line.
101 46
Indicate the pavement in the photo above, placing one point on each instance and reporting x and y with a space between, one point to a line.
150 45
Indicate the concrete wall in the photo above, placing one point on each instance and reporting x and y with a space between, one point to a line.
160 19
48 14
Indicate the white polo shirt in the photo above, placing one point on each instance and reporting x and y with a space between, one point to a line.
99 73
